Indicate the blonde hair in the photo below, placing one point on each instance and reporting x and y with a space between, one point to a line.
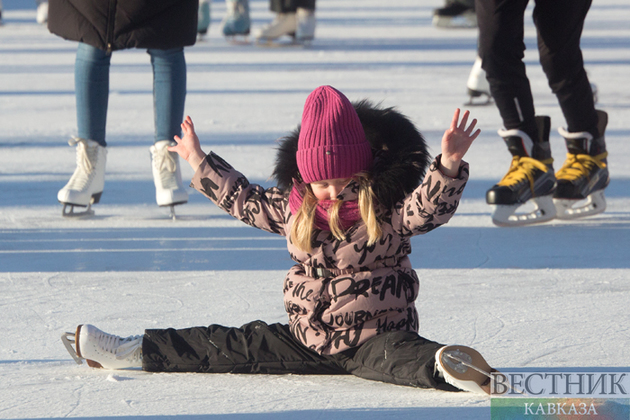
304 224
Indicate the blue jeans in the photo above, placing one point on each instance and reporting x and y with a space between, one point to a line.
91 80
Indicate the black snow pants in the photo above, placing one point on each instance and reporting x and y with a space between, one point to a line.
559 25
397 357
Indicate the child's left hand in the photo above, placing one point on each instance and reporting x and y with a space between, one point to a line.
455 143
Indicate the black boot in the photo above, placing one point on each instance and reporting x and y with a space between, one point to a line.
584 174
530 177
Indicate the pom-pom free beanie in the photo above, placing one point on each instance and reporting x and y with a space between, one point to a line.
332 142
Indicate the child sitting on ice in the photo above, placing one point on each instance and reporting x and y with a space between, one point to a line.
349 198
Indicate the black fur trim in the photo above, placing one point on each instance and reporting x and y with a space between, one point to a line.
400 153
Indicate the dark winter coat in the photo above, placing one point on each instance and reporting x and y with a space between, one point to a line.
344 292
119 24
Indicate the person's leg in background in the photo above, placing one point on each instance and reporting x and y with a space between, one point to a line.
91 79
236 21
584 174
531 175
293 17
169 98
456 14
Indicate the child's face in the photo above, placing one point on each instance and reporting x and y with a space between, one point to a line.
329 189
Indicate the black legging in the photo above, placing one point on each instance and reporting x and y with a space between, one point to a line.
397 357
559 26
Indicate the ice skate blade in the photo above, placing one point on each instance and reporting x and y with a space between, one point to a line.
484 98
68 339
76 215
571 209
171 208
506 216
238 39
88 211
465 368
274 43
464 21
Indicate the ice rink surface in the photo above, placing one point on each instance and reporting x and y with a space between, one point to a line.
549 296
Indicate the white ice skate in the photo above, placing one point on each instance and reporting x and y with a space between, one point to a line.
478 86
305 26
42 12
167 177
102 350
464 368
86 184
283 24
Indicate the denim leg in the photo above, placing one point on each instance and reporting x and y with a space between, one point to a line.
91 84
169 91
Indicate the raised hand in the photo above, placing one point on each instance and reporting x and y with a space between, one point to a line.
188 147
456 142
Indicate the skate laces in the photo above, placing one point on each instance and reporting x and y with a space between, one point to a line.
85 156
86 162
580 165
522 168
165 163
121 348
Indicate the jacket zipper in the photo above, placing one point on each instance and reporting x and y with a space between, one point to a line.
111 16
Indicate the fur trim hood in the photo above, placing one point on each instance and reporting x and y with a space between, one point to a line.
400 154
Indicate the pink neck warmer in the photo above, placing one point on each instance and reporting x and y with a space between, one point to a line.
349 212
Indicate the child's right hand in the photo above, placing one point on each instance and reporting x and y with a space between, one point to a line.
188 147
455 143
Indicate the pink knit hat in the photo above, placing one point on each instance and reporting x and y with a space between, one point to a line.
332 142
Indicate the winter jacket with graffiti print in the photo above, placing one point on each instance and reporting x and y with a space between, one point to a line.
364 290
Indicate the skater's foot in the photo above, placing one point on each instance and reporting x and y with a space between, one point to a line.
305 25
203 18
86 184
283 24
455 15
236 21
584 175
530 179
167 177
464 368
102 350
478 86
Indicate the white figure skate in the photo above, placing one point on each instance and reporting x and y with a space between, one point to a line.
86 184
464 368
167 177
102 350
478 86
